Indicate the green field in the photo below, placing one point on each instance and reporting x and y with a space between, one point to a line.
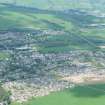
33 16
80 95
59 4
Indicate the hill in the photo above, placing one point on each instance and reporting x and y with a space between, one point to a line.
42 41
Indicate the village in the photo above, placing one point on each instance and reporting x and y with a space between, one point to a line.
56 72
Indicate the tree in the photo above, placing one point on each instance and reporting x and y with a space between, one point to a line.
4 96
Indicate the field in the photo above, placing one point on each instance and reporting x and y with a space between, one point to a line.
79 34
53 27
80 95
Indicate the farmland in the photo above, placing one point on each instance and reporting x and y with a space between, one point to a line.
46 42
